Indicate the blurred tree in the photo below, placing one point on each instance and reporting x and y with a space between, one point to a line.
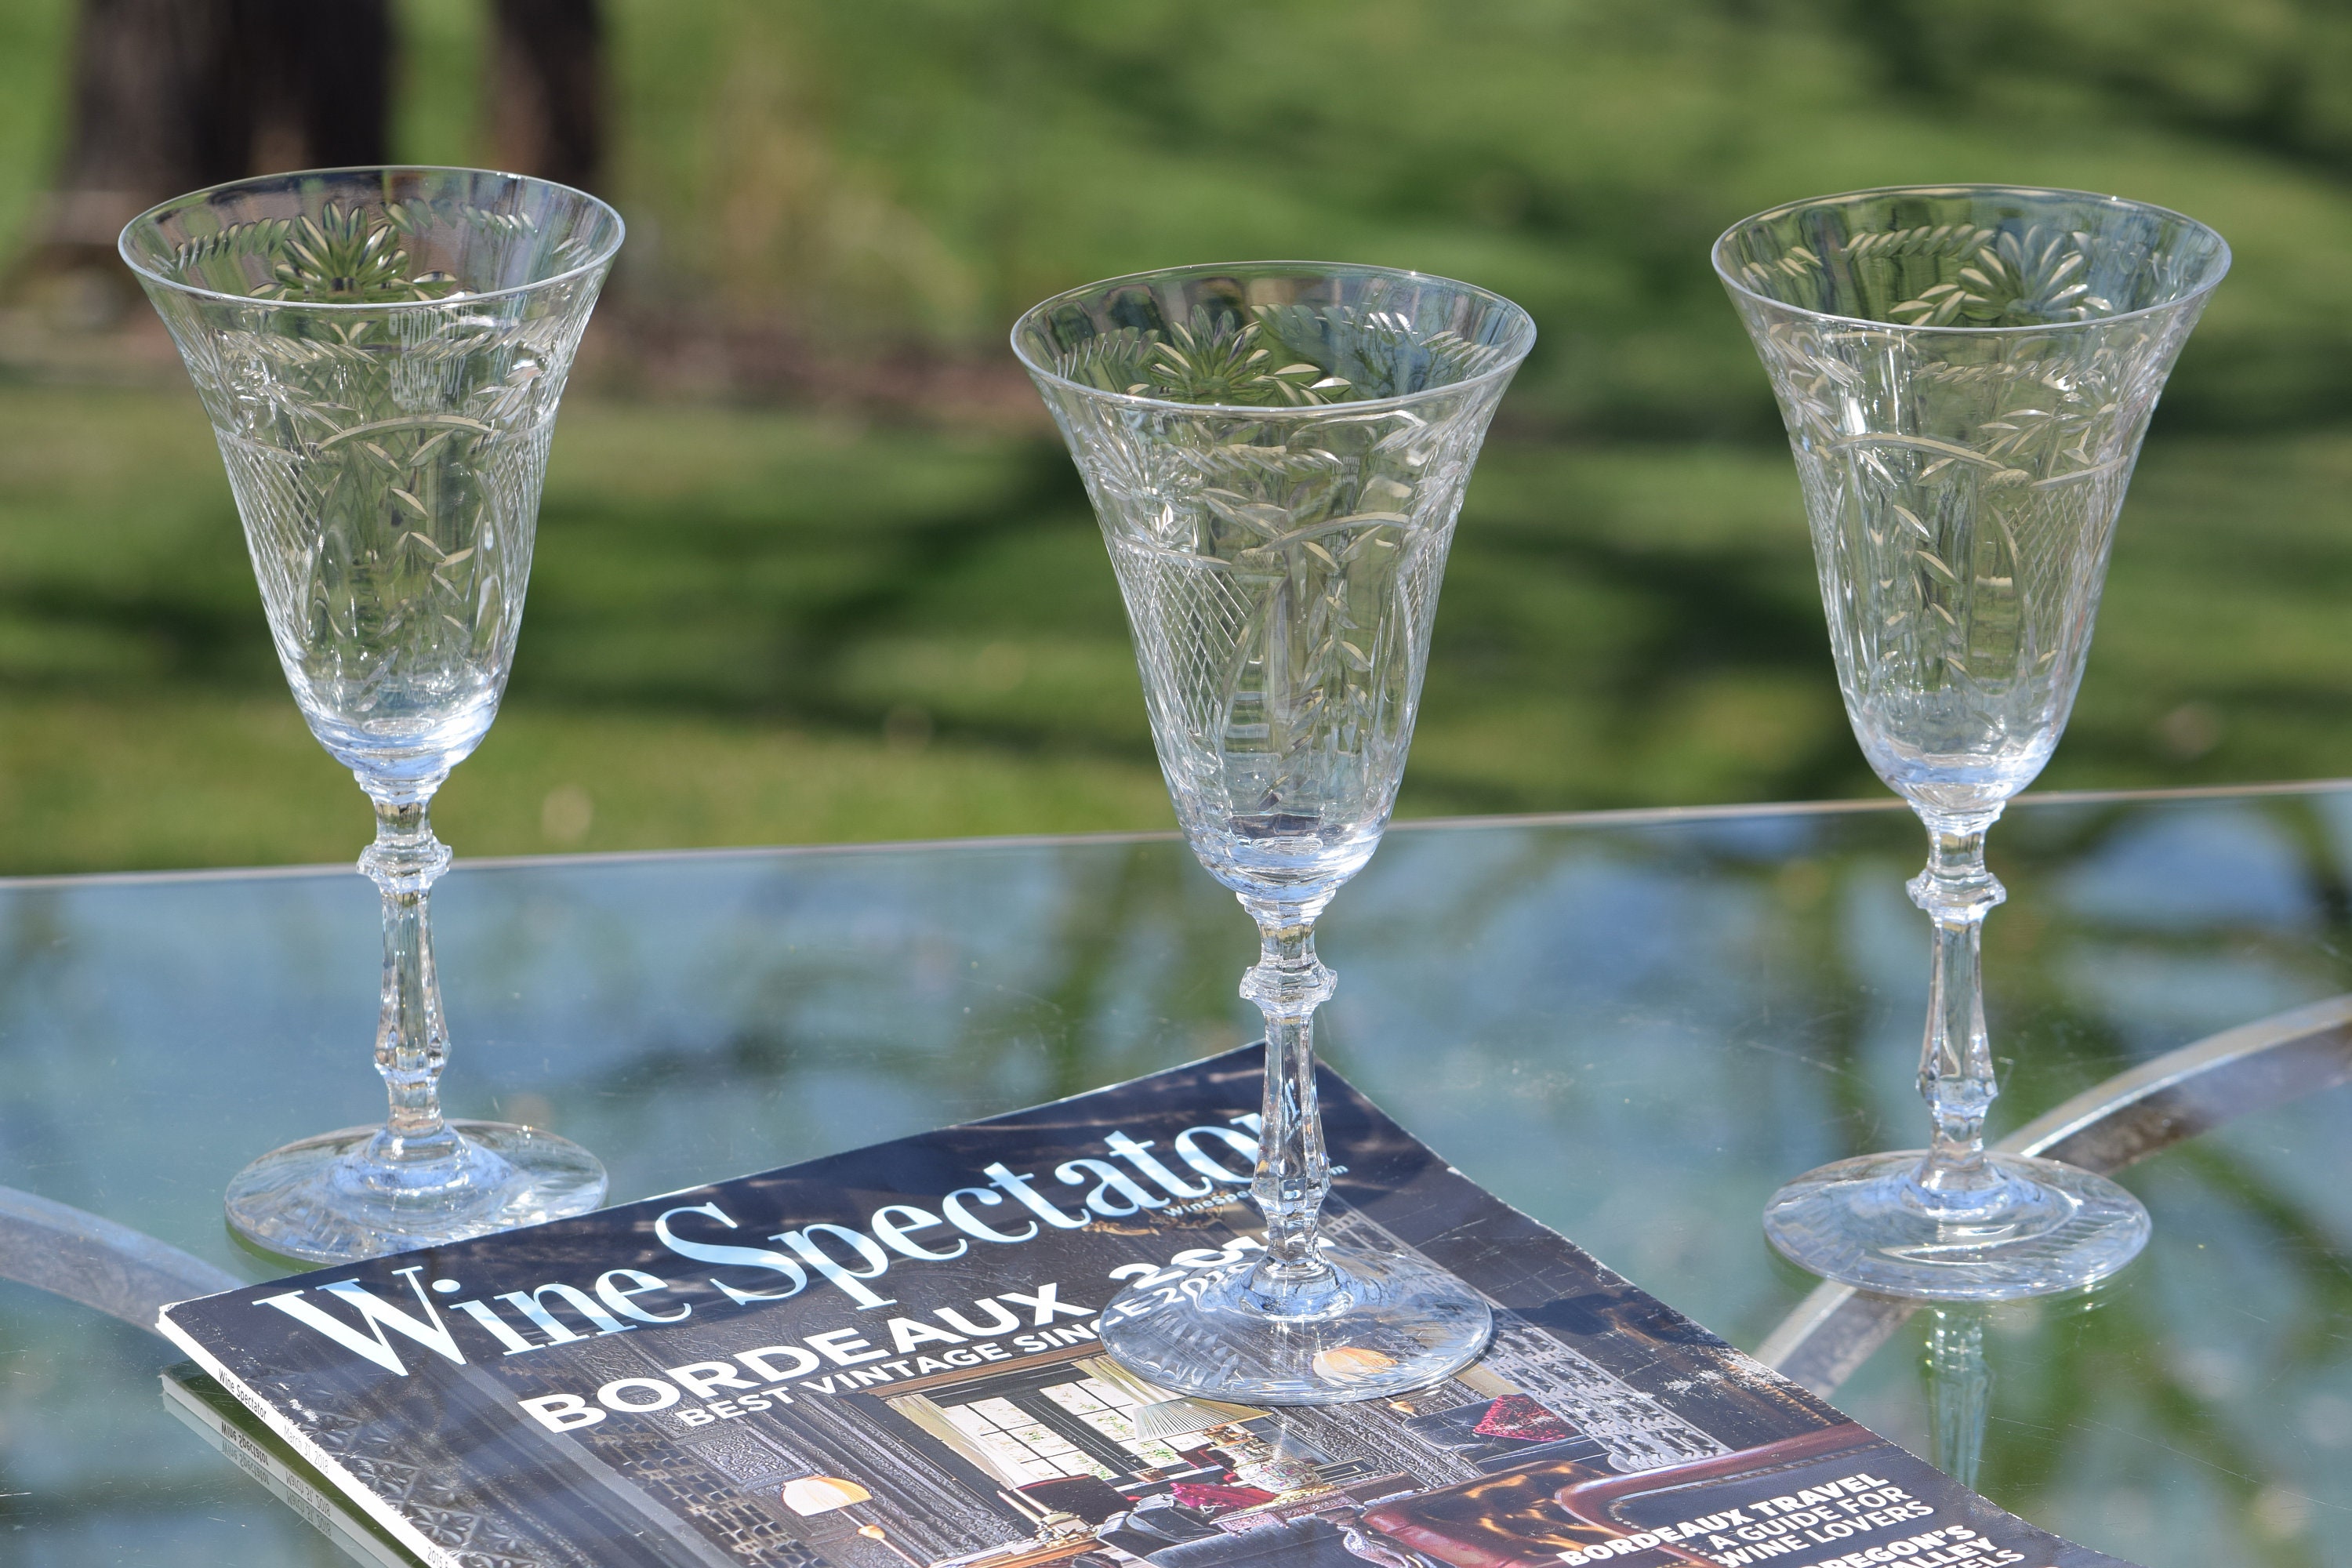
314 80
169 95
547 89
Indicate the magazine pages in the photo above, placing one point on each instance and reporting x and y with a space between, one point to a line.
205 1408
890 1357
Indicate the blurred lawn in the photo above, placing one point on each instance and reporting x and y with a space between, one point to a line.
749 626
755 626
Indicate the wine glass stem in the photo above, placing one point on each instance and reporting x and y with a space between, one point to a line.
1955 1059
411 1040
1293 1174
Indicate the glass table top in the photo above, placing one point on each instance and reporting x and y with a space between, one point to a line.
1633 1026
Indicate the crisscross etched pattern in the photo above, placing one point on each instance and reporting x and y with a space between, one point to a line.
1281 580
1962 491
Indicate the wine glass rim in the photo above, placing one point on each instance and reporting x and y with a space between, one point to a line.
603 257
1719 255
1522 338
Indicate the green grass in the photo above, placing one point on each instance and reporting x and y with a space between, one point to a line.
752 626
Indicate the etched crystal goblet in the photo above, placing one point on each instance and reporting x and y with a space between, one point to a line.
381 352
1966 372
1277 452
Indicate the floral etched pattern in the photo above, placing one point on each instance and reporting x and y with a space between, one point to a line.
1281 581
1273 356
385 429
1962 485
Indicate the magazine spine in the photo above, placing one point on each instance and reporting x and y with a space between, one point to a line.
326 1464
327 1515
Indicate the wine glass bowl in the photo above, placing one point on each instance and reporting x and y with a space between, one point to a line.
1965 373
381 354
1277 452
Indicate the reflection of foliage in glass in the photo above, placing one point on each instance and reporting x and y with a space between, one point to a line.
1765 942
2073 1377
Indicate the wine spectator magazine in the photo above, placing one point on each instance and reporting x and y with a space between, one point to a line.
890 1357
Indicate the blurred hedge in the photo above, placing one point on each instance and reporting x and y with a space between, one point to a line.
910 174
928 167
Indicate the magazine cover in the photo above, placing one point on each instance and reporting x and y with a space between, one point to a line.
890 1357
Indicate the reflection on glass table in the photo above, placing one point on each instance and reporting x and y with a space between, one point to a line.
1633 1026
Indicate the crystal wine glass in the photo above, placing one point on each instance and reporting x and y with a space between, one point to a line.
381 352
1966 372
1277 452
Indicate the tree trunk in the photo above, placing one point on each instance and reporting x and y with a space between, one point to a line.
547 89
317 78
144 124
173 95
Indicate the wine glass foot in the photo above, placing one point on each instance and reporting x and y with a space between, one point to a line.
1393 1323
329 1199
2044 1228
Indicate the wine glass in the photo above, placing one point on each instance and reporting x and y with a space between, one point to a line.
381 352
1276 452
1966 372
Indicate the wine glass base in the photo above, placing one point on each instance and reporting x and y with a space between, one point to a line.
1395 1323
2047 1228
323 1199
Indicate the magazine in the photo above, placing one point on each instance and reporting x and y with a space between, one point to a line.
208 1410
890 1356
